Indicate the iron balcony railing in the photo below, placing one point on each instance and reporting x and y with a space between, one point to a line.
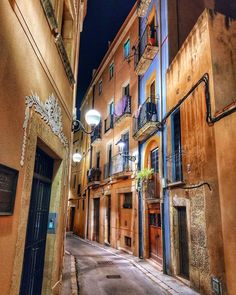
149 38
153 187
108 123
94 174
107 170
120 164
123 107
174 166
146 113
96 133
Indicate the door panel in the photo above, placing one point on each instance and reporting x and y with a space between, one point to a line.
155 234
109 220
183 242
96 203
72 218
33 264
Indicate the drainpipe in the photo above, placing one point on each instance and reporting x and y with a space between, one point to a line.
162 134
90 167
140 199
140 208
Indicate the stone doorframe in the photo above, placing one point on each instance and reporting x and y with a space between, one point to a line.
40 134
175 203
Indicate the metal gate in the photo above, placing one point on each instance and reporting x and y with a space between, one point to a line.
33 264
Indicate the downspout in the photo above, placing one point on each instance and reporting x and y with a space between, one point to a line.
162 193
90 167
140 199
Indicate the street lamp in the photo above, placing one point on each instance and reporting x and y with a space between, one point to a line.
77 157
121 144
92 118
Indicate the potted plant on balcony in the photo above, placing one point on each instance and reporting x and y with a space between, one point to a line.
144 176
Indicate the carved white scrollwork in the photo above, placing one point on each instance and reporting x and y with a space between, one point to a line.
50 112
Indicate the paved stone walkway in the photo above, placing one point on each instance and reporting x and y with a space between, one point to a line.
95 262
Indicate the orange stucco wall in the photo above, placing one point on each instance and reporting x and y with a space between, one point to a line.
205 51
30 63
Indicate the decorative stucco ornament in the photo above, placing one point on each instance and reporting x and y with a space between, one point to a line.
50 112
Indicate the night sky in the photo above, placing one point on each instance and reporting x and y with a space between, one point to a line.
102 22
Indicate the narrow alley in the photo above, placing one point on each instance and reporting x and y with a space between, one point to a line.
110 271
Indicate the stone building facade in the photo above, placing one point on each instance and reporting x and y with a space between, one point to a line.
200 145
110 212
39 56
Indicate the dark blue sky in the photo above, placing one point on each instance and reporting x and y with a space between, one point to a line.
103 20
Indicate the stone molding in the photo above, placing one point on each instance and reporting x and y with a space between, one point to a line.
49 11
64 58
50 113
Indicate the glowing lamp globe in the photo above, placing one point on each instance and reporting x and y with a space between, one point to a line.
77 157
93 117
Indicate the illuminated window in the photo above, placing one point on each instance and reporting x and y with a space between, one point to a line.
100 87
111 71
127 49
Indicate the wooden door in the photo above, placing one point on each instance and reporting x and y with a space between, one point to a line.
72 218
109 219
155 234
183 243
33 263
96 203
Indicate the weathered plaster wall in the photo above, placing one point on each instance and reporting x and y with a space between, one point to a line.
198 160
223 50
30 63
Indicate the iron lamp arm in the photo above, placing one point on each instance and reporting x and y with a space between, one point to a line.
77 125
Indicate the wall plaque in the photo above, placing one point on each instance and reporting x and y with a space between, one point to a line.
8 183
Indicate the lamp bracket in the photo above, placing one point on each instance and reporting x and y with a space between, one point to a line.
77 125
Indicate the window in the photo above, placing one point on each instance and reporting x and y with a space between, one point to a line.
127 241
74 181
153 90
79 190
125 90
111 71
98 160
155 219
125 151
127 49
111 108
127 201
176 147
100 87
155 160
83 205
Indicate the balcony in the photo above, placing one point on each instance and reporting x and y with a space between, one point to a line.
153 188
108 123
120 167
94 177
146 50
122 109
143 7
146 120
96 135
107 170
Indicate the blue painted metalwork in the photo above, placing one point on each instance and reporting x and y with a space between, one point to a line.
158 69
